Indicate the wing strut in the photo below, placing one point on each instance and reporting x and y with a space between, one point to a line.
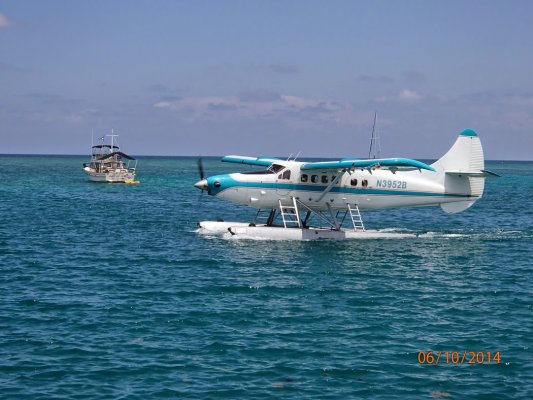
330 186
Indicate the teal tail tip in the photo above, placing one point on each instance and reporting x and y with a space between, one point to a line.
468 132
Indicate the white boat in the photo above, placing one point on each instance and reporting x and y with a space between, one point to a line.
109 164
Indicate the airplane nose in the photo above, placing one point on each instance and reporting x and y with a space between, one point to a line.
202 184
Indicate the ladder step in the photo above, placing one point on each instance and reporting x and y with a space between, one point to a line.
289 214
355 215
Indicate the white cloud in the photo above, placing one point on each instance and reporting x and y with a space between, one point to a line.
5 22
163 104
298 102
409 96
282 107
405 96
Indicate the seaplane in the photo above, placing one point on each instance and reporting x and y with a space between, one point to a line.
290 195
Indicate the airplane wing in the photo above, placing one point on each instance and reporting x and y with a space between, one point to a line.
383 163
261 161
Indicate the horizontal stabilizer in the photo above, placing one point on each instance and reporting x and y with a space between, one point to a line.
474 174
261 161
383 163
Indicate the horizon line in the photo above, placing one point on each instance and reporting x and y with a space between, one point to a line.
218 156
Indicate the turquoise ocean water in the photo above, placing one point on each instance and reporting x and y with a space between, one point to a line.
107 292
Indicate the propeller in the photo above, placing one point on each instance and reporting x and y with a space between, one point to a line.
202 183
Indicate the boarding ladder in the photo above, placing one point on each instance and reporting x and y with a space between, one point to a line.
289 214
355 215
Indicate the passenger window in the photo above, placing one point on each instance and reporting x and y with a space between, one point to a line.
304 178
314 178
353 182
324 179
287 174
364 183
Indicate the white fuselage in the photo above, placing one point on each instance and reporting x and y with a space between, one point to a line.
368 190
455 181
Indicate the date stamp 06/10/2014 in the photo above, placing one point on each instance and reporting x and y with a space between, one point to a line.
458 357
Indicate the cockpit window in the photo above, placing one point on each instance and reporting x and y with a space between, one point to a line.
275 168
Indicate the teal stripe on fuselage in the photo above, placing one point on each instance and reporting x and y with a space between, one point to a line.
320 188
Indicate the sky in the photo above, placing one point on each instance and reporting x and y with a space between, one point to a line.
266 78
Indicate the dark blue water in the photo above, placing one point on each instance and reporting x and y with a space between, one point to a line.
107 292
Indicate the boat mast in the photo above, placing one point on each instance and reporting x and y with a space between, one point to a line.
115 158
113 140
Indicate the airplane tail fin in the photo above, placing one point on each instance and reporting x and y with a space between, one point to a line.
462 170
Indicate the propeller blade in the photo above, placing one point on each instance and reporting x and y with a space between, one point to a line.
201 168
200 199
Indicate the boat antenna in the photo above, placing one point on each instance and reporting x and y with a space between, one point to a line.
375 146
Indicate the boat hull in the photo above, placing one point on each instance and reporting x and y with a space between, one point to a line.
117 176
